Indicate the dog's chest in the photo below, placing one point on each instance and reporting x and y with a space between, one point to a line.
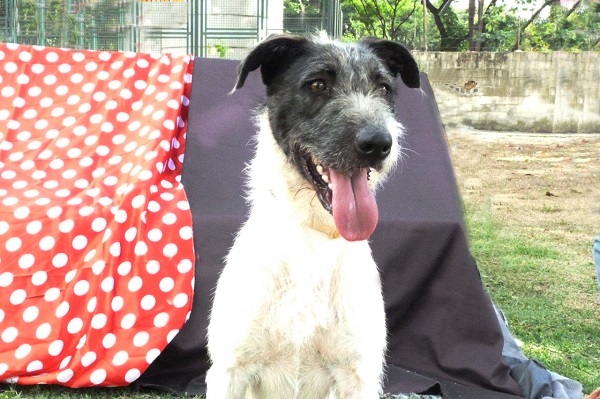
313 290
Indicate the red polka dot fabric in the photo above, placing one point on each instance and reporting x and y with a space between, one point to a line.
96 251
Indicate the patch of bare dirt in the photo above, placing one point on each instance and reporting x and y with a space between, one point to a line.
545 185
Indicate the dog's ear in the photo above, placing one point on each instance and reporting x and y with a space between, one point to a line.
272 55
397 58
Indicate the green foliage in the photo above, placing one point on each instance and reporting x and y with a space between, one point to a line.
564 28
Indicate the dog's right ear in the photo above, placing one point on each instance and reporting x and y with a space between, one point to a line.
272 55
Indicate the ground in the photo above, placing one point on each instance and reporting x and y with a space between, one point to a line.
548 184
543 190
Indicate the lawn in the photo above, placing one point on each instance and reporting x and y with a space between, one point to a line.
551 305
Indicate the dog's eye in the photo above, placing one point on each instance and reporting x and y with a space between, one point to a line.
384 89
318 86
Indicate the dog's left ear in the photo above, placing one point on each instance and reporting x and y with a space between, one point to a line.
397 58
272 55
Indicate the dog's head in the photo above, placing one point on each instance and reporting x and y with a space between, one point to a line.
330 108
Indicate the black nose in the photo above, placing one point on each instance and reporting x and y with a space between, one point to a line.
373 143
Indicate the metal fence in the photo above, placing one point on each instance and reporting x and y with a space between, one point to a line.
213 28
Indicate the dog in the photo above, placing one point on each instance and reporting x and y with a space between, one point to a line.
298 310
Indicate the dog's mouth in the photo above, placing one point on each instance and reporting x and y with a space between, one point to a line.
317 173
346 195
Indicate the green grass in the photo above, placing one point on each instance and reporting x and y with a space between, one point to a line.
548 295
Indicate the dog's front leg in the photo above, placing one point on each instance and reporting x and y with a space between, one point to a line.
223 383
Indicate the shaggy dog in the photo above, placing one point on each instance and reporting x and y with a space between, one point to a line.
298 311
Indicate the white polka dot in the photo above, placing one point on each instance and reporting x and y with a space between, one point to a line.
51 56
18 297
3 368
23 351
21 212
43 331
155 235
132 375
52 294
141 248
153 206
26 261
180 300
172 334
75 325
81 288
128 321
107 284
148 302
65 376
34 366
39 278
109 340
140 339
152 267
10 67
65 362
61 90
30 314
87 211
186 233
120 358
66 226
88 359
117 303
91 305
60 260
62 309
47 243
170 250
70 276
99 321
98 267
9 335
161 319
13 244
99 224
107 127
7 91
56 347
152 355
79 242
77 57
76 78
166 284
135 284
6 279
115 249
54 212
4 226
169 124
131 234
98 376
50 184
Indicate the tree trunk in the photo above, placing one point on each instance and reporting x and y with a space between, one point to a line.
471 25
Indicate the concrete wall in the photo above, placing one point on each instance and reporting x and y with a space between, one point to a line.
540 92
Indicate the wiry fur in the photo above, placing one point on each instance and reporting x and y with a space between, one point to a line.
298 311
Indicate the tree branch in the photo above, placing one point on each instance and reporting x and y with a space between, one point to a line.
533 17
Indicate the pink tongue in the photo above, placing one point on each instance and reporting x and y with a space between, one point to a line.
353 205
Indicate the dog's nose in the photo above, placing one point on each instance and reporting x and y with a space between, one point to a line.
373 143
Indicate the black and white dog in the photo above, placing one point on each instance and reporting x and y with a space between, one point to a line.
298 311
